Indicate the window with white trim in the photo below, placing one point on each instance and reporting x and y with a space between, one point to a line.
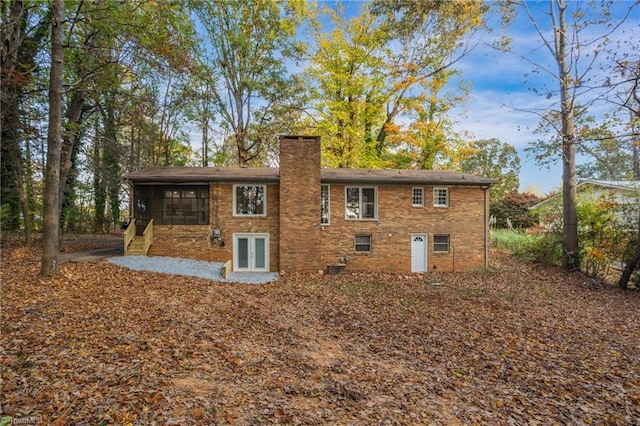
441 243
441 197
324 204
249 200
362 243
417 199
360 203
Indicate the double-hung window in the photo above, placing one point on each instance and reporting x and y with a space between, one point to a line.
324 204
417 197
441 197
361 203
249 200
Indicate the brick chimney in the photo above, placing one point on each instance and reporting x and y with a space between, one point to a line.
300 204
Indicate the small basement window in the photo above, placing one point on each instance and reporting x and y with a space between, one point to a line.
363 243
441 243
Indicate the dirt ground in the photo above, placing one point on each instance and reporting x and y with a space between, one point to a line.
518 344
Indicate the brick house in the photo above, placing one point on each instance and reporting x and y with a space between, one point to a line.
302 218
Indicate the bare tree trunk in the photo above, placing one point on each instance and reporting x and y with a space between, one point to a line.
571 253
24 205
631 264
164 125
51 216
99 191
205 126
10 94
69 139
635 142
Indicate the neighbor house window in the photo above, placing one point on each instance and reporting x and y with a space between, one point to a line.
441 243
418 197
363 243
360 203
324 204
249 200
441 197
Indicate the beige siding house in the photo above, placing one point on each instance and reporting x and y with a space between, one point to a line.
304 218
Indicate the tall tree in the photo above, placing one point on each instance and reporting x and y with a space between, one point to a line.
24 27
566 30
250 43
51 215
607 154
495 159
432 36
628 99
380 80
109 58
571 252
347 78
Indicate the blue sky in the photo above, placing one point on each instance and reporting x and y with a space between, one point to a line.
499 98
501 85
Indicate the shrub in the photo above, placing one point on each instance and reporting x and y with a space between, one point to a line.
514 207
544 248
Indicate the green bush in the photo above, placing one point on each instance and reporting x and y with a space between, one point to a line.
544 248
510 240
514 207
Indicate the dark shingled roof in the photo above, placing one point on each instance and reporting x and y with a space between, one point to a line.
391 176
272 174
204 174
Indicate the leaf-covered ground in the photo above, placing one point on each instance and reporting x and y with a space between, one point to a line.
520 344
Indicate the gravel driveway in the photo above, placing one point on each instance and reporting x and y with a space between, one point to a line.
191 268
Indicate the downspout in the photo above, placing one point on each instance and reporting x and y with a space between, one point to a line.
486 235
214 206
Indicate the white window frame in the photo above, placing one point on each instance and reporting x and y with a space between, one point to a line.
436 197
235 208
328 188
414 197
435 244
356 243
375 202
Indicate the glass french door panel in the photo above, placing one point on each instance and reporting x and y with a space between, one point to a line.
260 251
243 253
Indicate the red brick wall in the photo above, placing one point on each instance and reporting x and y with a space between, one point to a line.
300 204
297 241
313 247
464 221
194 242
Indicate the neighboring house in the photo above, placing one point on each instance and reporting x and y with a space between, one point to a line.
624 193
302 218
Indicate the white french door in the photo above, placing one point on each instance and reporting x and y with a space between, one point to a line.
251 252
419 253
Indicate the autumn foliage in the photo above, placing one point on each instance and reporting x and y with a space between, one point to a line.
519 344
